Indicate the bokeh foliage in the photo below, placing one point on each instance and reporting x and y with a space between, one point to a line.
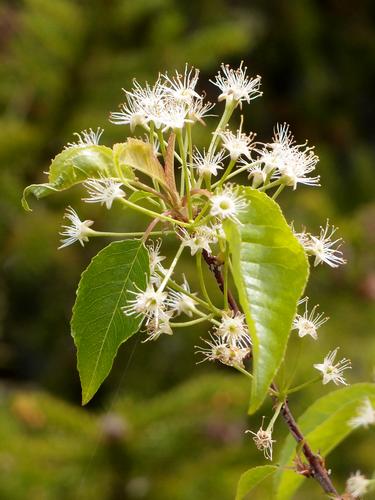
63 64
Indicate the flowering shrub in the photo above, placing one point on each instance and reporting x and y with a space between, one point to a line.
237 231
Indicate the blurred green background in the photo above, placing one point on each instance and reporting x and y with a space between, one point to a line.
163 427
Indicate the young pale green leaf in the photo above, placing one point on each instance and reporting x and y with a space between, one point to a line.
270 270
74 165
324 424
99 326
251 478
139 155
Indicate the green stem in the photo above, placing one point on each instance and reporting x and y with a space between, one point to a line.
185 172
153 214
171 267
162 143
206 317
278 191
131 234
275 415
226 173
270 185
242 370
302 386
229 108
233 174
225 277
172 284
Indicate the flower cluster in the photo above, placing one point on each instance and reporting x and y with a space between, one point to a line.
190 192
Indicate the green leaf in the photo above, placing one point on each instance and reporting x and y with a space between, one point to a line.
251 478
74 165
140 156
99 326
324 425
270 270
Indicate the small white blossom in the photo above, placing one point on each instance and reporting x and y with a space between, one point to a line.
333 372
218 350
324 248
201 239
131 113
159 325
236 85
155 258
233 330
227 204
86 138
289 161
357 485
207 163
263 441
198 110
182 87
150 303
181 303
77 231
237 144
103 191
308 323
257 173
365 415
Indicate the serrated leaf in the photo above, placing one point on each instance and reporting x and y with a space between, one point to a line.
251 478
99 326
325 424
74 165
139 155
270 270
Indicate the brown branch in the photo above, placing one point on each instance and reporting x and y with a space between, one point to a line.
316 464
215 267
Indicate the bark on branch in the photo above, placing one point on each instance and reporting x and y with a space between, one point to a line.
317 467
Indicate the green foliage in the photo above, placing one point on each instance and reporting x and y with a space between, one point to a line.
270 270
324 424
76 164
251 478
99 326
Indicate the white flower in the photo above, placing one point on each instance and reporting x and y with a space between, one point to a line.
218 350
181 303
333 372
237 144
365 415
357 485
263 441
207 163
77 231
303 237
86 138
103 191
324 249
146 103
173 115
235 85
308 323
257 173
181 87
155 258
227 204
159 325
233 330
289 161
201 239
198 110
131 113
150 303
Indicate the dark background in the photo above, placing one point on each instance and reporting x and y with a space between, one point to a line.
163 427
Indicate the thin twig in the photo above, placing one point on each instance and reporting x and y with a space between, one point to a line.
316 463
